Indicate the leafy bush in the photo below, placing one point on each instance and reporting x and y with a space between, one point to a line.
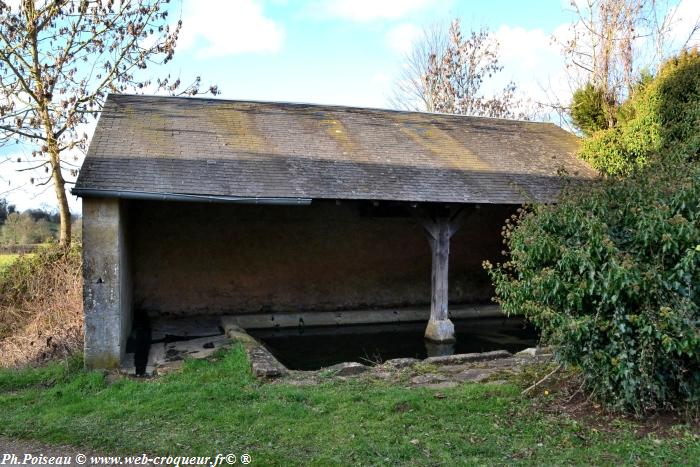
588 109
661 116
611 275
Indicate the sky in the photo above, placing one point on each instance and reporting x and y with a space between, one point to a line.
344 52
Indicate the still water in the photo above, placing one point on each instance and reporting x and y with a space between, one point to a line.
311 348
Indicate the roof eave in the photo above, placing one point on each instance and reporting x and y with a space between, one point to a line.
144 195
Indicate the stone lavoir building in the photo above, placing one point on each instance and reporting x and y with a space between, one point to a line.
280 212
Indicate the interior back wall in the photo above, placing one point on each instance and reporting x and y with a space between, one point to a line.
225 258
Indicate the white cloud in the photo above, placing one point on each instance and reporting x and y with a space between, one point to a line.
529 48
216 28
401 38
370 10
381 78
528 55
534 62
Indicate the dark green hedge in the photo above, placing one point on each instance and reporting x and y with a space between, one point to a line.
611 274
611 277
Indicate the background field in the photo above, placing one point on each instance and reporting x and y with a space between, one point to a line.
6 260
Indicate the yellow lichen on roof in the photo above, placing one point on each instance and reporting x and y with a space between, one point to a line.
338 132
155 136
235 128
440 144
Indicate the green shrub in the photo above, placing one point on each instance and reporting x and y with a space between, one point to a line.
588 109
661 116
610 275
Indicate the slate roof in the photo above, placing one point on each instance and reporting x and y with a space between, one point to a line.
195 146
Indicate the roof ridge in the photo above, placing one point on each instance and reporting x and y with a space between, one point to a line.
334 106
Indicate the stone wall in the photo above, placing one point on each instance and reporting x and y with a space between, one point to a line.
226 258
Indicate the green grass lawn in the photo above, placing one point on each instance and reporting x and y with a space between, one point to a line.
211 408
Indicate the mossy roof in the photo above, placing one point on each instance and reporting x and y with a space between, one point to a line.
197 146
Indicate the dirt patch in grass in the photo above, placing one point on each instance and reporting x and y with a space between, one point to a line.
564 395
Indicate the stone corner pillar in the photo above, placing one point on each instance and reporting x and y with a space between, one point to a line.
106 282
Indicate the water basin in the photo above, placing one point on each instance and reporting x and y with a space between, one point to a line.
311 348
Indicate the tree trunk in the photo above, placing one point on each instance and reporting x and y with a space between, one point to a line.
44 100
59 185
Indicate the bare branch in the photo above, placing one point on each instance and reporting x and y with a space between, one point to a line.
445 72
58 61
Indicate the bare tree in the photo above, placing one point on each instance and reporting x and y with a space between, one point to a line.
609 43
58 61
446 72
409 91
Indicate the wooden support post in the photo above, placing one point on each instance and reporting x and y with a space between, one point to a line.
440 328
439 230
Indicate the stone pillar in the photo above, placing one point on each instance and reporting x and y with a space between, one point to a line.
107 288
440 328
